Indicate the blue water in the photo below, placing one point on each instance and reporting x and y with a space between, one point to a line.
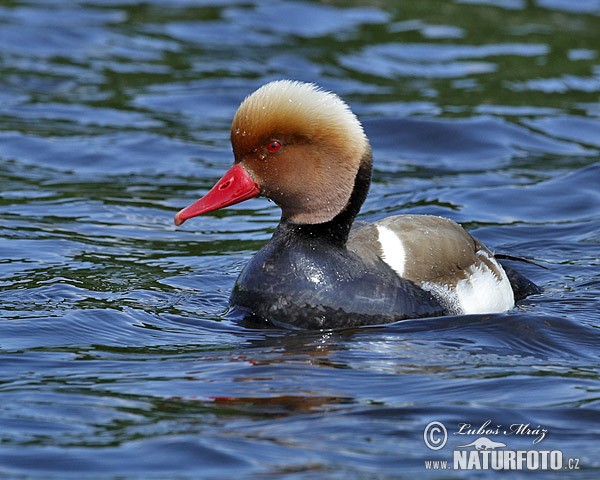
117 357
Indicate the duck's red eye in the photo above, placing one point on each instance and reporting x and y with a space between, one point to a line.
274 146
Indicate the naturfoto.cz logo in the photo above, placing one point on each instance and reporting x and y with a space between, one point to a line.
485 453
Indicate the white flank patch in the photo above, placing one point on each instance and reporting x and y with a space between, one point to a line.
393 252
481 292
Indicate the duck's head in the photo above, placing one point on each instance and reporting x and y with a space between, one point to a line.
295 144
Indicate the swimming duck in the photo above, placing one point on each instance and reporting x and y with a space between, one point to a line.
303 148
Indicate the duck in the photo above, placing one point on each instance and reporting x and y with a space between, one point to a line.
303 148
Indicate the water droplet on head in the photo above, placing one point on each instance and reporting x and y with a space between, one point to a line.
237 131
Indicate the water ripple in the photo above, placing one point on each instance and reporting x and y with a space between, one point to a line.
119 357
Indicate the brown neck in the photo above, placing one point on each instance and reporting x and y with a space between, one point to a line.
336 230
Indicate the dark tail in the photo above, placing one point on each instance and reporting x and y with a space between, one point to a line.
522 287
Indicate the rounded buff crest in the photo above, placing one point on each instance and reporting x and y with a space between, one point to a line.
286 107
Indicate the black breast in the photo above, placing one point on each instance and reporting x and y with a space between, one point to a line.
312 283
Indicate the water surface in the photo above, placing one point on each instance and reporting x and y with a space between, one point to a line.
117 357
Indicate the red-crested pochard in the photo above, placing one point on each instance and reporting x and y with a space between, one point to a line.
304 149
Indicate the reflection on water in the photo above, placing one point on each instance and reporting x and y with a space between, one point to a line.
118 356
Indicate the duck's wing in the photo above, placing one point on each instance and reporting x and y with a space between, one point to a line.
441 257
